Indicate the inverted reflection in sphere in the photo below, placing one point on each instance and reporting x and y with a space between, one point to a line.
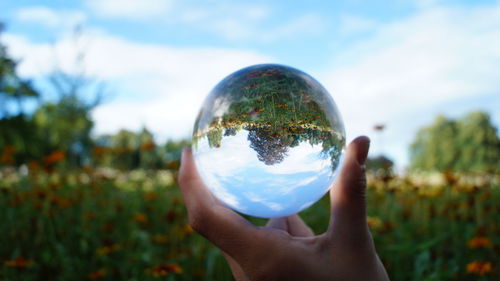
268 140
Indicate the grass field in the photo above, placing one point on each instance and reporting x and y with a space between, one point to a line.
102 224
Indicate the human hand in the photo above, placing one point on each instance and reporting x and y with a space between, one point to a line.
286 249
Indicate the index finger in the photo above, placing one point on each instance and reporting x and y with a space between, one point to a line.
223 227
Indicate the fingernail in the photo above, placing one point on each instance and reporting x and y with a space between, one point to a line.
363 152
183 155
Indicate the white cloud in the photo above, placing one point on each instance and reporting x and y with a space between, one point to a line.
350 24
135 9
426 3
399 72
234 21
169 83
221 11
414 64
50 17
249 28
302 158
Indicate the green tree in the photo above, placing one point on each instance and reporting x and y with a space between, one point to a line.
125 150
128 150
380 164
470 144
478 143
62 123
66 125
16 129
149 153
13 88
171 153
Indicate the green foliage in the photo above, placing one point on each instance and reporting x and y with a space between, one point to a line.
470 144
20 133
57 125
127 150
125 225
214 137
380 164
12 87
65 125
278 106
16 129
479 143
95 224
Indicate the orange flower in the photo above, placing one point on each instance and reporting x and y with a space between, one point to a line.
54 157
164 269
187 229
19 262
140 218
104 251
6 156
99 150
148 146
97 274
62 202
150 196
159 238
33 165
171 215
252 86
479 242
89 215
479 267
175 268
172 165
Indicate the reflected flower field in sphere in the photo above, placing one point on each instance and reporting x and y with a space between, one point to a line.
268 140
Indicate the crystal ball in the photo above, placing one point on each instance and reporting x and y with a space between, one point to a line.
268 141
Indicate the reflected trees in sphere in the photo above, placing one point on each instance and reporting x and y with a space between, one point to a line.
268 140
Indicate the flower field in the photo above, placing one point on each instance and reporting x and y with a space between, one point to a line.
105 224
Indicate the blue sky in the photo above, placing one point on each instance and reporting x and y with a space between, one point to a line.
397 62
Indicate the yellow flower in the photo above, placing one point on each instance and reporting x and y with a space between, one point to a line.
479 242
374 223
479 267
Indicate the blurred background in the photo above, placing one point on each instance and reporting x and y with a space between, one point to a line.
97 98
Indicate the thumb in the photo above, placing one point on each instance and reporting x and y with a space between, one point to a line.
347 195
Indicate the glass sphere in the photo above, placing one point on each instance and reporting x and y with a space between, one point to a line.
268 140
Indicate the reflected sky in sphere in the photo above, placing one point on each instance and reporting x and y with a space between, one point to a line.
268 141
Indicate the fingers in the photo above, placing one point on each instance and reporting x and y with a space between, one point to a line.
193 190
298 228
292 224
348 193
223 227
238 273
278 223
